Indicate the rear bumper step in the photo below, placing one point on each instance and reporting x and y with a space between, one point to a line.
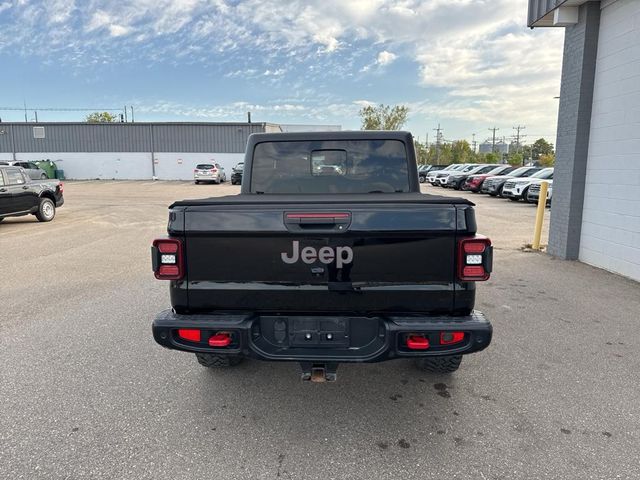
323 338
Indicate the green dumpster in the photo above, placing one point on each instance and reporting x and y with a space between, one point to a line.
49 167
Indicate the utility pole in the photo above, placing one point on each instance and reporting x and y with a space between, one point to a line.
125 114
25 111
517 138
473 143
493 142
35 112
438 139
132 119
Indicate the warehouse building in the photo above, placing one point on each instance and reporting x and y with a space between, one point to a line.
595 215
132 151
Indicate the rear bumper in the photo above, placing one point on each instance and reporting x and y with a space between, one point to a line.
353 338
207 178
60 201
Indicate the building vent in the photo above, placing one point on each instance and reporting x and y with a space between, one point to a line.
38 132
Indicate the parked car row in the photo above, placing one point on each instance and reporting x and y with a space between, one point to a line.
505 181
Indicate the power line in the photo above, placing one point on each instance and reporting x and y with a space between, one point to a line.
517 137
438 141
493 142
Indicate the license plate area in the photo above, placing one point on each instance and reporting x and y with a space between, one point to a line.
306 331
319 332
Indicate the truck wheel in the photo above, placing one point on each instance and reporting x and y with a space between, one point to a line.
46 210
444 364
423 179
211 360
43 177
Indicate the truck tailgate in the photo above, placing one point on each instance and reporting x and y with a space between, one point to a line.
370 257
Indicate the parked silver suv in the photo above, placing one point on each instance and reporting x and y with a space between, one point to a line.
209 172
31 169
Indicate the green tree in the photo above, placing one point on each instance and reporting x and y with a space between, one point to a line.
515 159
383 117
461 152
100 117
541 147
547 160
422 153
486 158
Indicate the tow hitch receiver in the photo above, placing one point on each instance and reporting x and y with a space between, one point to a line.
319 372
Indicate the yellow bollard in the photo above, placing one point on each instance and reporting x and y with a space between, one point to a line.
542 203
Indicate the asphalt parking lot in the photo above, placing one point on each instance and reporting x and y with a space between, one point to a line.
86 392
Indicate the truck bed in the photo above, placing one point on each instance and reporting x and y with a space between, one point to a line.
404 254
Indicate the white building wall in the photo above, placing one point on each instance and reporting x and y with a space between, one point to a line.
130 165
179 166
610 236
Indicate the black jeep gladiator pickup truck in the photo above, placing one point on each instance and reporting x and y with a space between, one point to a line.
330 254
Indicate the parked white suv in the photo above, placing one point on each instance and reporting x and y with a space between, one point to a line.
533 194
516 189
433 174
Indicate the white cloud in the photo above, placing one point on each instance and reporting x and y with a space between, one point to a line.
477 53
385 58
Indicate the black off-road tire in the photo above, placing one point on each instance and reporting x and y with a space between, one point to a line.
444 364
43 177
197 182
211 360
423 179
46 210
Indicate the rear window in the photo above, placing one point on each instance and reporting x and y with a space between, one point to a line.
344 166
204 166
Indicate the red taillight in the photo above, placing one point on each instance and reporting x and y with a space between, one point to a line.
449 338
195 170
214 170
474 259
417 342
167 259
61 187
220 340
168 271
167 247
341 215
189 334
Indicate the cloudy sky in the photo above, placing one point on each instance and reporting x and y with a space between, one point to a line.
466 64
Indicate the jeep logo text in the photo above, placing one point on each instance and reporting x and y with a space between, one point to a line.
326 255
